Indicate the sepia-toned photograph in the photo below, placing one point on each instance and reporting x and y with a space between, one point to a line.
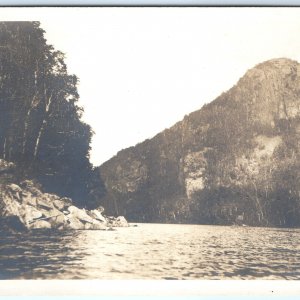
152 143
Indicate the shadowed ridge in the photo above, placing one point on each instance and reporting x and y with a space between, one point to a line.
225 162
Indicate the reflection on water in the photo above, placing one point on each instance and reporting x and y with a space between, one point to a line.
153 251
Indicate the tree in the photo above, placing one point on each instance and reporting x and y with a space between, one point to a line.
40 121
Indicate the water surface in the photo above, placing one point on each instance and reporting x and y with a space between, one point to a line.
153 251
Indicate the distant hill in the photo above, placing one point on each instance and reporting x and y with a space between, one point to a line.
234 161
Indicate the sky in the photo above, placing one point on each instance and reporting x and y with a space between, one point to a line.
141 70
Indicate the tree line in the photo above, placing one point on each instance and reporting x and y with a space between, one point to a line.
40 120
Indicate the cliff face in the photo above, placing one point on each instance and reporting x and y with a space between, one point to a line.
236 160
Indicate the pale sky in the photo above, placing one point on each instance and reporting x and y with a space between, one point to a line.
142 69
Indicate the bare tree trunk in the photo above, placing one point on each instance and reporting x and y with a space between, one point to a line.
33 104
42 128
37 143
25 130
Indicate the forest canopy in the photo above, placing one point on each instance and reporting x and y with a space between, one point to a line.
40 120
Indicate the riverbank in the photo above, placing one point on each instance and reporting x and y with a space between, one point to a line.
24 206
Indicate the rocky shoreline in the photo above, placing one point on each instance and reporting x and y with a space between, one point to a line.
24 206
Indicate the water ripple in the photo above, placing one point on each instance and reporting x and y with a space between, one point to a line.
153 251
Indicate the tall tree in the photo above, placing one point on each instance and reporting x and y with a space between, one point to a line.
40 121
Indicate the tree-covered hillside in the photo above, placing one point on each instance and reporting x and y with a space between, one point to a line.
40 121
234 161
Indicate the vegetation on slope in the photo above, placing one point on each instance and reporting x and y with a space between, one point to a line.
234 161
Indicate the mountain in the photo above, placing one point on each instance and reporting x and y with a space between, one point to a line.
234 161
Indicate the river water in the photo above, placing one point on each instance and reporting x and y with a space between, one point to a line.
153 251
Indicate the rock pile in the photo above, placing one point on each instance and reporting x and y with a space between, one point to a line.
24 206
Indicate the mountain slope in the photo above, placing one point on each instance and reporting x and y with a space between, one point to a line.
236 160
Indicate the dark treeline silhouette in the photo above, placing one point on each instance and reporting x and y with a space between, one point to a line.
40 121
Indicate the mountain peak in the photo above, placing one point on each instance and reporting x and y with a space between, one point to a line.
274 67
224 163
280 61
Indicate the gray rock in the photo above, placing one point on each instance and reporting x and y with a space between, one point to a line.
95 226
26 207
55 217
15 191
59 221
45 203
97 215
80 214
98 226
61 205
50 197
30 186
36 192
50 213
29 199
14 188
29 214
68 201
10 207
117 222
74 223
100 209
6 167
26 184
88 226
121 222
40 224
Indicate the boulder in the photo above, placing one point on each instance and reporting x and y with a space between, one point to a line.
29 214
74 223
14 188
35 192
98 226
24 206
28 198
80 214
96 214
40 224
51 197
88 226
100 209
45 203
31 187
59 221
48 213
68 201
119 222
10 207
61 205
27 184
55 217
6 166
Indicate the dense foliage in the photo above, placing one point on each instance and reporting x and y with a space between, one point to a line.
40 121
